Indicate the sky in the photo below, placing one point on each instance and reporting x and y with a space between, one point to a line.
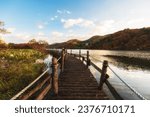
62 20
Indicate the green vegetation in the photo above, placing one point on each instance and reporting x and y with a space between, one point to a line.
17 69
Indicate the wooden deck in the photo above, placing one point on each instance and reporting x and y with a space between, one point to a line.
77 83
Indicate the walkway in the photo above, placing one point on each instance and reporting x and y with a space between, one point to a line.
77 83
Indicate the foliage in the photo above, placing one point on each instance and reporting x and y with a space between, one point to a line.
69 44
17 70
3 30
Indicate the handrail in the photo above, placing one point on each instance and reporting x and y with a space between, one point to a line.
39 88
96 67
58 58
112 89
30 85
131 88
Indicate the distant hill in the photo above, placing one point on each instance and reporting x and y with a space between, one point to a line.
69 44
128 39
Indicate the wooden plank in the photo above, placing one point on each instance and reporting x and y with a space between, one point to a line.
77 82
43 93
34 90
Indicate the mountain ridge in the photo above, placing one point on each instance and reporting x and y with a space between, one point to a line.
127 39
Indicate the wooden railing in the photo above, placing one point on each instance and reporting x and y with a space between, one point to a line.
104 76
35 90
44 84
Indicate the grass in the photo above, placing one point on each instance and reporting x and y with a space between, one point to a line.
17 69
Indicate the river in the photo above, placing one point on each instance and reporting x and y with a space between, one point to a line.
131 66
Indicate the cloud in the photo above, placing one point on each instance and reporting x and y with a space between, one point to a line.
56 34
41 34
40 26
102 27
68 12
11 29
64 12
77 22
59 11
54 18
20 37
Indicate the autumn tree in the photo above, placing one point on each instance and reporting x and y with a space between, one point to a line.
43 42
32 41
38 45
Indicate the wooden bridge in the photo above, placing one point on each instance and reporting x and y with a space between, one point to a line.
70 79
77 82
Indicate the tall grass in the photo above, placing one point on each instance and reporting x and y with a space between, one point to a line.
17 70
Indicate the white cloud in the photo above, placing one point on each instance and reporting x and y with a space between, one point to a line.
62 20
57 34
40 26
138 23
59 11
103 27
52 19
11 29
64 12
21 37
68 12
41 34
77 22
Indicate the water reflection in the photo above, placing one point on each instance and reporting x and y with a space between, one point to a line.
47 62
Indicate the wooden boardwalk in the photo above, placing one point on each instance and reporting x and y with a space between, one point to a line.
77 83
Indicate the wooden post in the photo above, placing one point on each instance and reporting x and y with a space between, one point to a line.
71 51
103 75
83 59
62 59
66 55
55 75
65 51
87 62
79 53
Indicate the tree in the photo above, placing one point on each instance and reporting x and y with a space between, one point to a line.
11 45
32 41
2 29
43 42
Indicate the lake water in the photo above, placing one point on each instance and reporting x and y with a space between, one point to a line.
137 76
